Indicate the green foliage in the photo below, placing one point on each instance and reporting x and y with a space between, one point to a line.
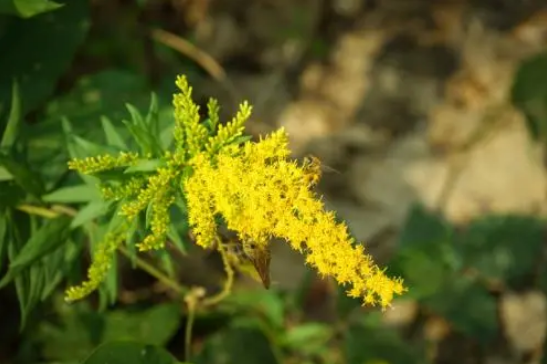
450 270
36 52
529 94
368 342
129 352
27 8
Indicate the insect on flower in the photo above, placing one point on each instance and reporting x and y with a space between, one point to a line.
250 258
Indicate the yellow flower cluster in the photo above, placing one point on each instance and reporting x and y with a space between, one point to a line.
102 261
261 194
258 191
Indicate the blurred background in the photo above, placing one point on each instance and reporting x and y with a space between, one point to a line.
430 119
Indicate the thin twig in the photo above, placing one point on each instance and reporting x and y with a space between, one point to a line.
206 61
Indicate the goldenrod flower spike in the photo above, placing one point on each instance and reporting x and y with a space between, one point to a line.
255 187
261 194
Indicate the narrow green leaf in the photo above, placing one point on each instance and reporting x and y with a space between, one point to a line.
14 119
86 148
140 135
36 285
58 265
175 237
23 175
91 211
123 352
112 136
152 118
73 194
136 116
4 241
49 237
21 287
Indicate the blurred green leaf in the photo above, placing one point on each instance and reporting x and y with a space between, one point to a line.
243 344
265 302
91 211
424 228
3 237
144 133
84 148
76 331
29 180
27 8
108 290
14 119
57 265
426 258
52 235
529 93
368 343
129 352
21 287
309 338
37 51
113 138
153 326
73 194
101 94
503 248
469 307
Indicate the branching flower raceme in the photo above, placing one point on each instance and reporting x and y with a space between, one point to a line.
254 187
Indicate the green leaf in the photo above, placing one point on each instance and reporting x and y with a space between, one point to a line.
264 302
85 148
175 237
144 131
469 307
52 235
14 119
21 287
73 194
94 96
152 118
503 248
57 265
37 51
27 8
23 175
113 138
366 343
240 344
91 211
129 352
4 240
309 338
154 326
427 257
529 93
37 284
